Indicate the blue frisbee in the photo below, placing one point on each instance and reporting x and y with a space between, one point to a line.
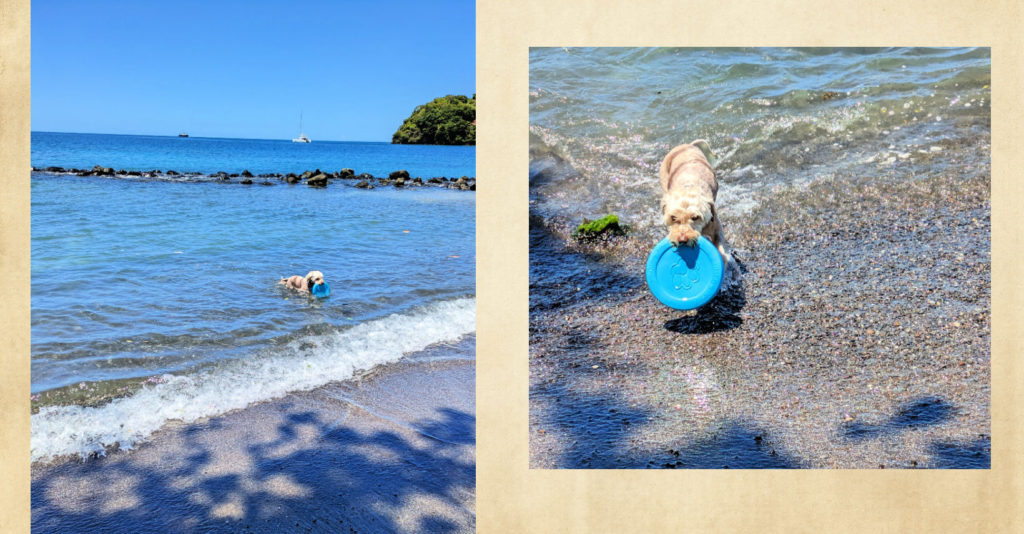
321 290
684 277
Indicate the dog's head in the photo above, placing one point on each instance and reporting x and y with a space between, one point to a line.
686 214
313 278
689 189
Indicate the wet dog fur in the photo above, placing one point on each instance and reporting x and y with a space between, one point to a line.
689 190
305 283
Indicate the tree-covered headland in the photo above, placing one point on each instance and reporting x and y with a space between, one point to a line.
449 120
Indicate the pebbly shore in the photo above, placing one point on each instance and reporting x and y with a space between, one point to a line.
856 336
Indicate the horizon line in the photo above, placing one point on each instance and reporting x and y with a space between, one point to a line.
190 136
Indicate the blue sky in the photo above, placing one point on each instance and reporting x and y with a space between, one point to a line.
354 69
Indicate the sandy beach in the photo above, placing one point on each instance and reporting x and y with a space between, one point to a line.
392 451
858 338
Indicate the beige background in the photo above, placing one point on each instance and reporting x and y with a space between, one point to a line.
14 265
513 498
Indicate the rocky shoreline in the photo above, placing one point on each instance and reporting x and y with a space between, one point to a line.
313 178
858 337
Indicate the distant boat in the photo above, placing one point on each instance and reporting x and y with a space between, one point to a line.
302 137
183 134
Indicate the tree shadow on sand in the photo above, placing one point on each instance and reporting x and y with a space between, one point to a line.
975 454
603 431
921 413
314 475
560 277
918 413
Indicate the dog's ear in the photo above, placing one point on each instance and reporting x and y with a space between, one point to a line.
706 149
663 176
714 214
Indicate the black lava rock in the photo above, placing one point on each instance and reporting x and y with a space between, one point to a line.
320 180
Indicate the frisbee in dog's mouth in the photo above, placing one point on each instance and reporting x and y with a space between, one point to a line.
321 290
684 277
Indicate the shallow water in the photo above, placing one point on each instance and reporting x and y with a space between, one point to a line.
601 119
164 296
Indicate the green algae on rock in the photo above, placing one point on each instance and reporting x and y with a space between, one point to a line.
609 224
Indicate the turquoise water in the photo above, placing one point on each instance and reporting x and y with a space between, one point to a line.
174 284
209 155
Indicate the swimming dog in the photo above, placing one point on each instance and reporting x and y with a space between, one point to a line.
303 283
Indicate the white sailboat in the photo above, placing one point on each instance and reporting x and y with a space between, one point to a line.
302 137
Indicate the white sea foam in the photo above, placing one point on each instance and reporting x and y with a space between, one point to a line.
76 430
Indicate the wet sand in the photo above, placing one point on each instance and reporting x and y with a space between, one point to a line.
393 451
859 337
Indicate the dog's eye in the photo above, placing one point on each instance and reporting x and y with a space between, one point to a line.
674 219
695 218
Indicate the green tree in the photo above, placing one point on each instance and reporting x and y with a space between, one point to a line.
448 120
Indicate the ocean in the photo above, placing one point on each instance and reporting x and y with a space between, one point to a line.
208 155
156 299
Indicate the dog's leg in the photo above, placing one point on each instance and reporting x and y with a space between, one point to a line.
715 234
726 257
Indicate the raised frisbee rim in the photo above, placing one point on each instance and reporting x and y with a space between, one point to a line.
690 303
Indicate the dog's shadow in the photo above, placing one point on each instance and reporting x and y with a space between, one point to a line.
722 313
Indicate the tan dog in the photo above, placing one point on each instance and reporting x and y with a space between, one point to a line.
303 284
688 196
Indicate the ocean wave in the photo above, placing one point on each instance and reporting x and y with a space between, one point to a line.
301 365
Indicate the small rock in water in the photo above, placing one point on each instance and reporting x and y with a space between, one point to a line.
320 180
